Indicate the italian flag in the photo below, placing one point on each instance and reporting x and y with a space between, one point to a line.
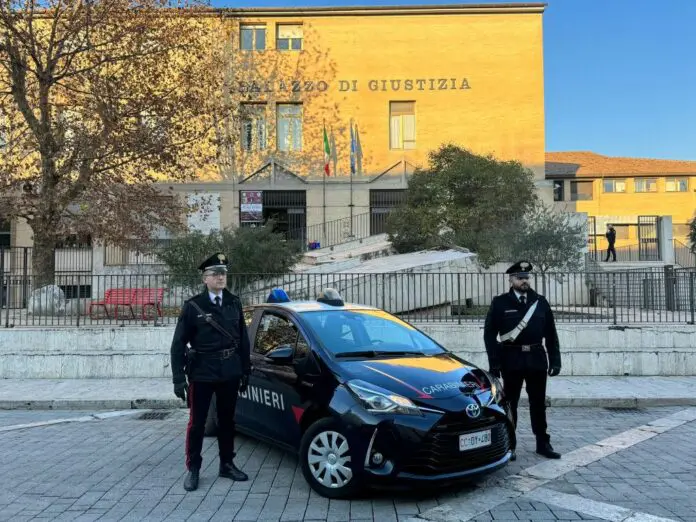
327 153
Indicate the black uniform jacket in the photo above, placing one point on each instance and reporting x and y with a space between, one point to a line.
504 314
192 328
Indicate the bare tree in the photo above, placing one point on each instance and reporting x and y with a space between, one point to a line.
103 102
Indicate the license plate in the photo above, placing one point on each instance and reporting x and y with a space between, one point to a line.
479 439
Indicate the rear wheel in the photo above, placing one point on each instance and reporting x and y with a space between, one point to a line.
327 460
211 421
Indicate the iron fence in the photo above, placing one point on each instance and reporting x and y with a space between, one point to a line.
593 297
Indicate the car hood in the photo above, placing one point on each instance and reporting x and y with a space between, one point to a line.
420 378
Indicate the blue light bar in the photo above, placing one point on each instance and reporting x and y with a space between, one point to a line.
278 295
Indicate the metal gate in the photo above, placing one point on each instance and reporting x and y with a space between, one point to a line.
592 237
382 202
288 209
648 244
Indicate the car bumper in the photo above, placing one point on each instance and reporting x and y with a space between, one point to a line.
426 449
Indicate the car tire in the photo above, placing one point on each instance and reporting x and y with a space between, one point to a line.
211 421
326 442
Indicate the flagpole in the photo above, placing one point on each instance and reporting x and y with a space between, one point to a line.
324 192
352 168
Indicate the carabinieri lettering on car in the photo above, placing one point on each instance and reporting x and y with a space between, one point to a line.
263 396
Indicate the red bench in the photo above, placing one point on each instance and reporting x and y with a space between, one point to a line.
130 297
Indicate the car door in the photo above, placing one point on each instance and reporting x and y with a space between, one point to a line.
276 393
242 410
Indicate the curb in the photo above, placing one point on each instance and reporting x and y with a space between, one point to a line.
155 404
87 404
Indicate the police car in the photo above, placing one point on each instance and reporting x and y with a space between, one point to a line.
365 398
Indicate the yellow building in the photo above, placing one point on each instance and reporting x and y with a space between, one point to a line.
405 80
620 190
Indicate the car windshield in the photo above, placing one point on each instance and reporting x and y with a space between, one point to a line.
365 333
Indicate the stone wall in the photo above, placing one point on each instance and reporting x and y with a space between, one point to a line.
144 351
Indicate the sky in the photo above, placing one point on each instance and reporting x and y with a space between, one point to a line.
620 75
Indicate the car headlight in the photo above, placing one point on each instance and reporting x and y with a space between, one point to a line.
379 400
496 389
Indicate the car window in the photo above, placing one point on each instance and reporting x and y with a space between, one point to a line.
344 331
274 331
248 316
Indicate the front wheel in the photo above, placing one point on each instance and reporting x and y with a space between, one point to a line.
327 460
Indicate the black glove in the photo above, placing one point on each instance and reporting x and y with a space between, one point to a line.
495 373
554 370
244 383
181 390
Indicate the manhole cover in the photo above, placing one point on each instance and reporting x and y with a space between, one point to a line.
154 415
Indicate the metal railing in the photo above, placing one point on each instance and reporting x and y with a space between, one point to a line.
339 230
18 260
593 297
683 256
628 253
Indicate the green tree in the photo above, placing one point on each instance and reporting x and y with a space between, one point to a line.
462 199
99 102
252 253
550 240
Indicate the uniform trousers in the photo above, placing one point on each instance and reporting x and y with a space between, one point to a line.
200 395
536 391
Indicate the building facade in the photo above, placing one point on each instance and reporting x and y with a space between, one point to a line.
624 192
383 87
387 86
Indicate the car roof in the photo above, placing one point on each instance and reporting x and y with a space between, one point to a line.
314 306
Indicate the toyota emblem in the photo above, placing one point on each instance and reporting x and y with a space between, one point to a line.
473 410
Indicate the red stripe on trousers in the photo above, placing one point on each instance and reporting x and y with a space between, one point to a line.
190 424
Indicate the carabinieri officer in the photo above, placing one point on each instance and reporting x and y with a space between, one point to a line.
212 323
525 323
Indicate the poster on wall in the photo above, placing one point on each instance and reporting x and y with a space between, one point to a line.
206 214
251 206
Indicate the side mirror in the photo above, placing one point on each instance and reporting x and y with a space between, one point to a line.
283 354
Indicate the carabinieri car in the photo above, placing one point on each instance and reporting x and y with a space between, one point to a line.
365 398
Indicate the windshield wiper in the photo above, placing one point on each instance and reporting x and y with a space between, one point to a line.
377 353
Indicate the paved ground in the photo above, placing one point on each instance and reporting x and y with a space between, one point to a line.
123 468
84 394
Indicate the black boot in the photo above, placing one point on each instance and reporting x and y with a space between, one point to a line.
544 448
191 480
230 471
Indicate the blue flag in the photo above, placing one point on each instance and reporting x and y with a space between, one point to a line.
352 149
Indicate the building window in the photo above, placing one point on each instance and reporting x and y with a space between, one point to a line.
252 37
402 125
646 185
558 190
289 127
614 185
581 191
5 233
676 184
254 129
289 37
